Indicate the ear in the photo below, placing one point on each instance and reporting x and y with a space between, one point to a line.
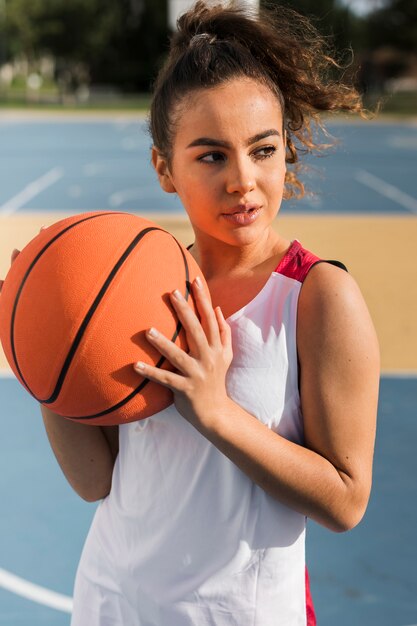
161 168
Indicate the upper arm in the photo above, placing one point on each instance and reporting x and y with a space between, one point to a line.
86 454
339 375
111 434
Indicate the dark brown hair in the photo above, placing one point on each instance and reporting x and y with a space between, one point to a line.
276 46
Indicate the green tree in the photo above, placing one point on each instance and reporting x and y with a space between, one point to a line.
394 25
117 42
35 27
133 47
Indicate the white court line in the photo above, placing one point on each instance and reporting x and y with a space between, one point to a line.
36 593
386 189
119 197
31 190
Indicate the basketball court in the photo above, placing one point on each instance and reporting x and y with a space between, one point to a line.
363 213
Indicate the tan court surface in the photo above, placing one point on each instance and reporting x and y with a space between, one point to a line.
380 252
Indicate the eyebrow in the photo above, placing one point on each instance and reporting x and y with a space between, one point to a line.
219 143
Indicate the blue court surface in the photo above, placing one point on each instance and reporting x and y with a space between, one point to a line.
367 577
75 164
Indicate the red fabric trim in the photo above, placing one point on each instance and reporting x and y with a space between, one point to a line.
311 615
297 262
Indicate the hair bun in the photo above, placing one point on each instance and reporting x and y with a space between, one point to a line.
203 37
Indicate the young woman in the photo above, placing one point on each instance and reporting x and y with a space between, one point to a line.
204 509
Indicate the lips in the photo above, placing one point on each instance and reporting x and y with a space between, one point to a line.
242 208
242 214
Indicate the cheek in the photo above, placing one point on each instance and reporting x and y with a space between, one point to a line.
273 185
282 171
275 177
194 197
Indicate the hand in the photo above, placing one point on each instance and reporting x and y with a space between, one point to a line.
14 256
199 382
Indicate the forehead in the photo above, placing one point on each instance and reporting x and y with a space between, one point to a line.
234 110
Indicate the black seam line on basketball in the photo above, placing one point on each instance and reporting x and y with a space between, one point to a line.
121 402
143 384
26 276
83 327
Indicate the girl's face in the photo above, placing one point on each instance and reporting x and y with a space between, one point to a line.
228 161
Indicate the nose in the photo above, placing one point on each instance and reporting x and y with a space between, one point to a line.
240 177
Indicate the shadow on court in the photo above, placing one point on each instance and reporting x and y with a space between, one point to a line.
366 577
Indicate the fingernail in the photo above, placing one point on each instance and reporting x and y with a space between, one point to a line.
199 282
178 295
139 365
152 332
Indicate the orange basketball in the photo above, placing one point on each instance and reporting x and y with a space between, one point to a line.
74 309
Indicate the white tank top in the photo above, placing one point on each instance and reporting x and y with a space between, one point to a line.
185 538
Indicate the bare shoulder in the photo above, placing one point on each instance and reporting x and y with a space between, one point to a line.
327 285
332 305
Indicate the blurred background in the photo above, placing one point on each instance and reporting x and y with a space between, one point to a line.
105 53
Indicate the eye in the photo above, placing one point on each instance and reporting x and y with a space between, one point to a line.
265 152
212 157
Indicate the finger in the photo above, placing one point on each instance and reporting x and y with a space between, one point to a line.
1 285
208 318
173 381
196 337
224 328
173 353
15 254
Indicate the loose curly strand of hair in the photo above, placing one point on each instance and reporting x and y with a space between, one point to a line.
278 47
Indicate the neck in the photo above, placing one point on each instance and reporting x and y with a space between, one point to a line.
217 258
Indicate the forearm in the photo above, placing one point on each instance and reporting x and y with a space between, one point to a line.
296 476
83 453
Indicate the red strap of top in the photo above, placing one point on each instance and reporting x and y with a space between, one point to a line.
297 262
